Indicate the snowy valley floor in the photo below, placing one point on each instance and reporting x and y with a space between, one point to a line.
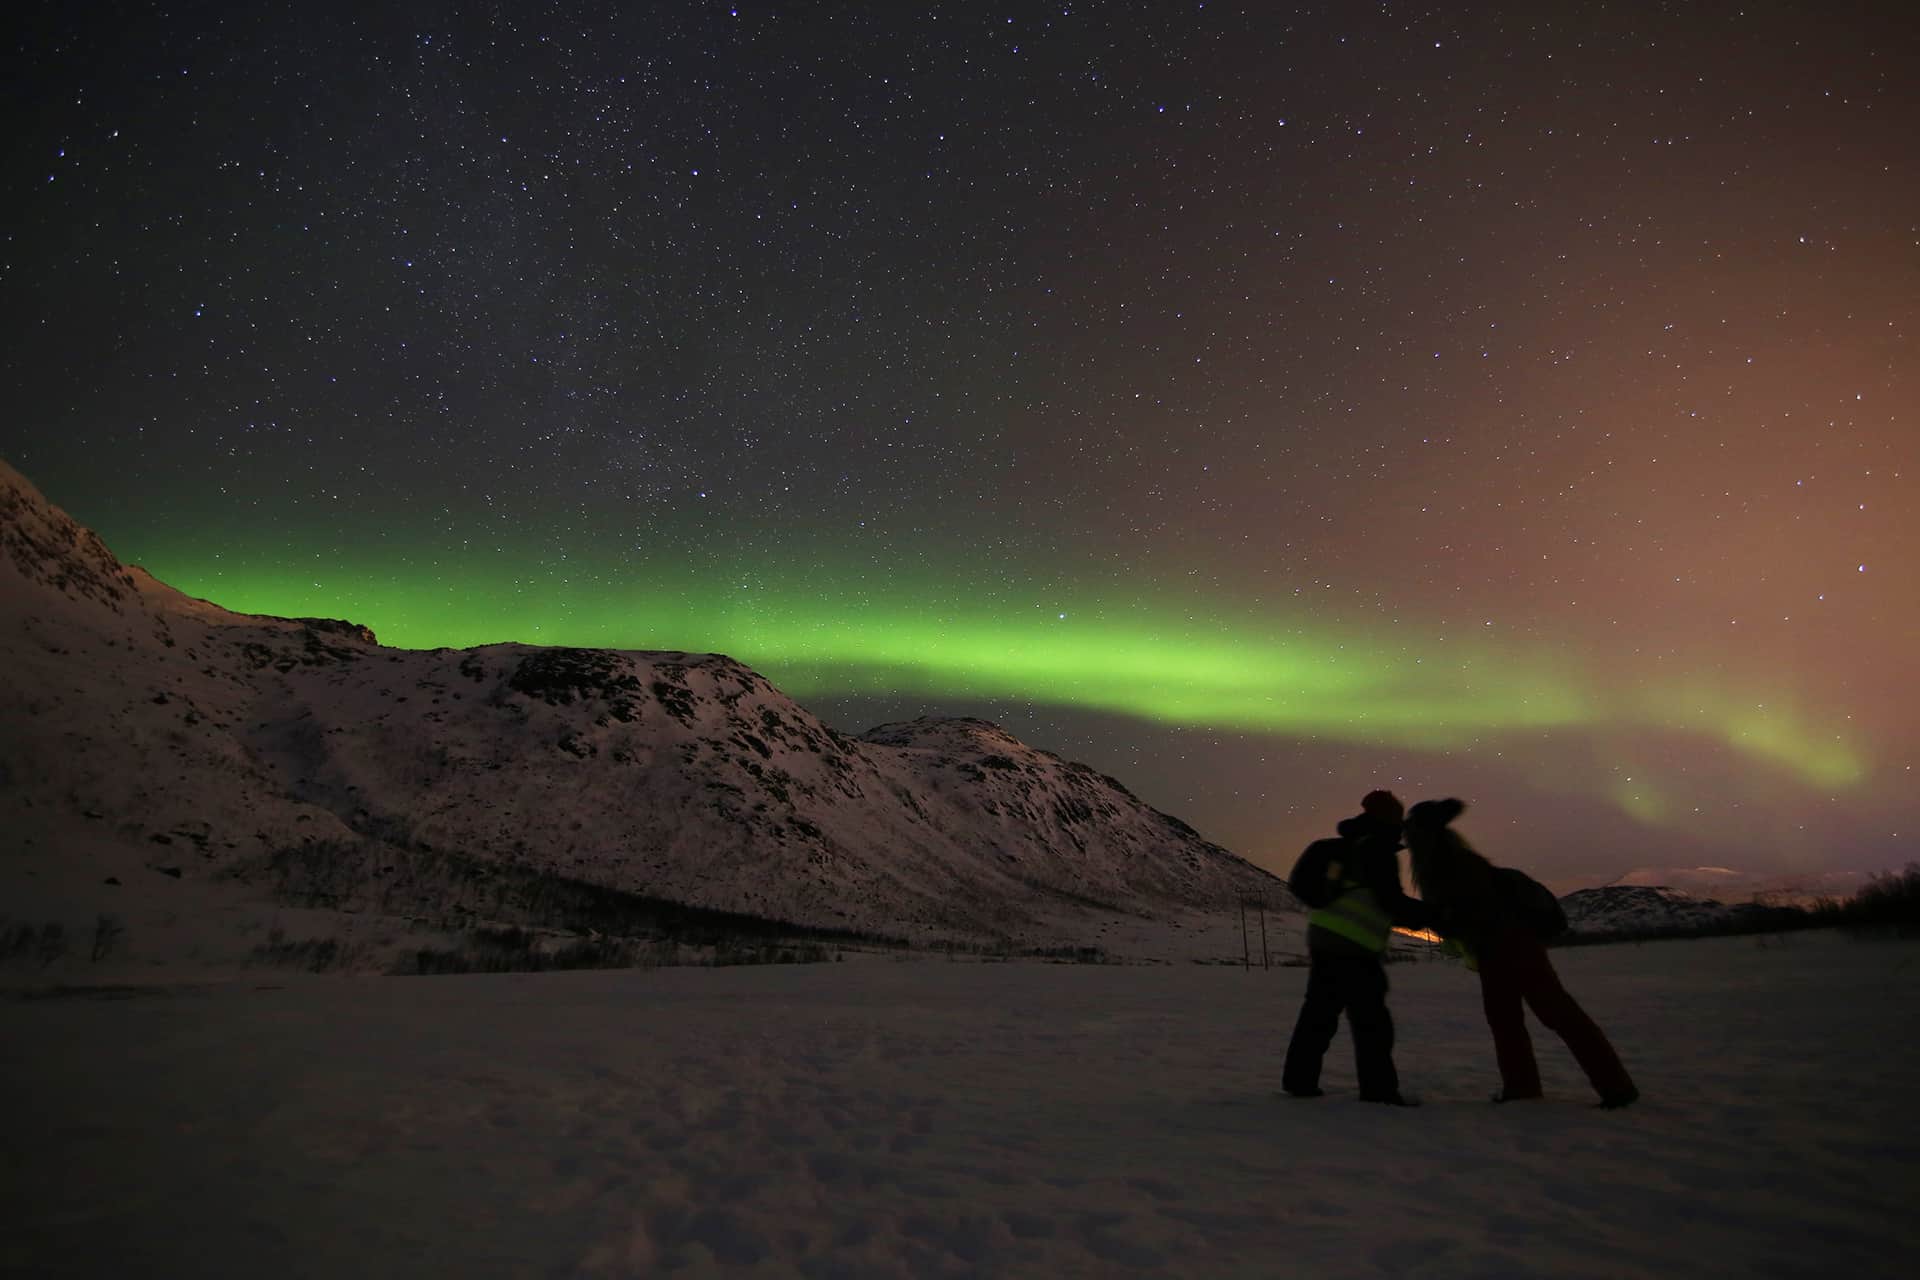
878 1118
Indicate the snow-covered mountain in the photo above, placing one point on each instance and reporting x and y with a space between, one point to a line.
153 741
1618 909
1725 884
1638 908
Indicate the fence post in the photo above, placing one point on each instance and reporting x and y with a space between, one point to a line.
1246 953
1262 902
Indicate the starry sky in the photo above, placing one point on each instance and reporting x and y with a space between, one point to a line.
1261 403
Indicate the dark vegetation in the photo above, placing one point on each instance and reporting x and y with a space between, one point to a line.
1004 949
40 945
509 950
511 918
1891 901
315 955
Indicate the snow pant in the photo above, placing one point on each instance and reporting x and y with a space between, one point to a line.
1358 985
1515 968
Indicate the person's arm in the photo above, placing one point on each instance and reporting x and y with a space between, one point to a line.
1408 913
1405 912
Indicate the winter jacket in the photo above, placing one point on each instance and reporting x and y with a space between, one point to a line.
1492 901
1363 855
1471 913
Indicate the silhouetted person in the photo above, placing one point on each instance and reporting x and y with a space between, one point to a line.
1352 882
1497 918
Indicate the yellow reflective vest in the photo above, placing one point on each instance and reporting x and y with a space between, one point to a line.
1356 915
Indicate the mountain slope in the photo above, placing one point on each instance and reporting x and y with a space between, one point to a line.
155 740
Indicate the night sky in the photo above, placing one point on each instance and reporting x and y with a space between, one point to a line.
1262 403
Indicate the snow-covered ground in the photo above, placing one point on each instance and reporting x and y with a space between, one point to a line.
881 1118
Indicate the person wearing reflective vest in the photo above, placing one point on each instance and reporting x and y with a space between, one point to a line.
1352 884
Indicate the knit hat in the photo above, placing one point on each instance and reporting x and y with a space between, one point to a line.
1382 807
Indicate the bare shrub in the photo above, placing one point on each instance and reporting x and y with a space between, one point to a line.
1891 900
18 941
107 932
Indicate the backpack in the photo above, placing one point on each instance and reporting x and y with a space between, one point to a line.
1529 903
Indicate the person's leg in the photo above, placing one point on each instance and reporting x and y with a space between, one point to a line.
1313 1030
1500 988
1372 1031
1560 1013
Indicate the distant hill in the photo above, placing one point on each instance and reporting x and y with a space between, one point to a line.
1653 910
165 757
1725 884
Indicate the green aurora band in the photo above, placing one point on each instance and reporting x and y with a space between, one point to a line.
1204 666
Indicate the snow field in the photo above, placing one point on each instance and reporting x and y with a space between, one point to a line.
880 1118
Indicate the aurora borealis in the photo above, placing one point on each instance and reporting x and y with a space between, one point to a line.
1261 405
